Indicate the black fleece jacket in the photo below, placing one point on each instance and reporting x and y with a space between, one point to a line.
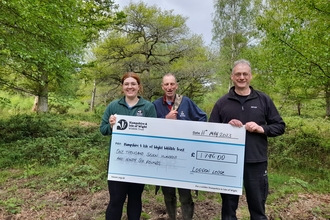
259 108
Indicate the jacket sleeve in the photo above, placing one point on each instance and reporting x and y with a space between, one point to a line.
160 113
105 128
196 113
151 112
275 124
215 115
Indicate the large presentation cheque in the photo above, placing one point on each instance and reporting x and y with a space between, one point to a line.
185 154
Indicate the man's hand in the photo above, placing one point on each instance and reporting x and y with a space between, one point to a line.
236 123
254 127
250 126
172 114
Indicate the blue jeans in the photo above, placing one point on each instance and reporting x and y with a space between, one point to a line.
118 192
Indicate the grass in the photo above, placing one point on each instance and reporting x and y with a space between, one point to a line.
41 180
57 153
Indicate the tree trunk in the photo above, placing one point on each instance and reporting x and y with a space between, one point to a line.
327 99
43 104
299 108
43 94
91 108
35 104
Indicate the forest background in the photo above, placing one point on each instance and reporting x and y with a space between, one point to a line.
61 64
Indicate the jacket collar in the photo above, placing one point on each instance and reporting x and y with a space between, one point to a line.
123 102
232 93
164 99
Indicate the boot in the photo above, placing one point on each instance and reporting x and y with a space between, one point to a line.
187 211
170 204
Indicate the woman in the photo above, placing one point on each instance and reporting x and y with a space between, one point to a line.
134 105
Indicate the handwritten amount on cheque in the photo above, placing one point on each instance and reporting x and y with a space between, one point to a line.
142 157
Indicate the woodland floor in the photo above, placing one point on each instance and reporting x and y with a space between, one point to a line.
36 204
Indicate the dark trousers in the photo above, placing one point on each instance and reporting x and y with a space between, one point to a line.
118 192
185 198
184 194
255 180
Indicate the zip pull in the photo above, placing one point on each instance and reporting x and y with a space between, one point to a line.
242 108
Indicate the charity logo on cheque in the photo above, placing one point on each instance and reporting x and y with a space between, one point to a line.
131 125
122 124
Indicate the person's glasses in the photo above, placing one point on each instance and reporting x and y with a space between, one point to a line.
237 75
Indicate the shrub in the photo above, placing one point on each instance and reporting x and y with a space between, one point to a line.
305 145
46 139
23 126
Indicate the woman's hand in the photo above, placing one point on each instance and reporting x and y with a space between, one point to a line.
112 120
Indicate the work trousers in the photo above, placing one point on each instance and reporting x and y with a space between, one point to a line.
255 180
185 198
118 192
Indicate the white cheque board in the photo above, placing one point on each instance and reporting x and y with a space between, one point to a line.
185 154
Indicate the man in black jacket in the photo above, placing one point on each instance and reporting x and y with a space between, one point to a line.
244 106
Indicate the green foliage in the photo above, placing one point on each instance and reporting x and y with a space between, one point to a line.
4 102
43 139
12 205
80 177
42 43
67 153
60 104
234 30
66 149
25 126
211 98
145 216
305 146
150 42
294 55
234 19
15 103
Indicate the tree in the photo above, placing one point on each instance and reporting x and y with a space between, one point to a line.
150 42
41 43
233 31
297 41
194 71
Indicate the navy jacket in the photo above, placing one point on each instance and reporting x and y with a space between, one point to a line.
258 108
187 110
